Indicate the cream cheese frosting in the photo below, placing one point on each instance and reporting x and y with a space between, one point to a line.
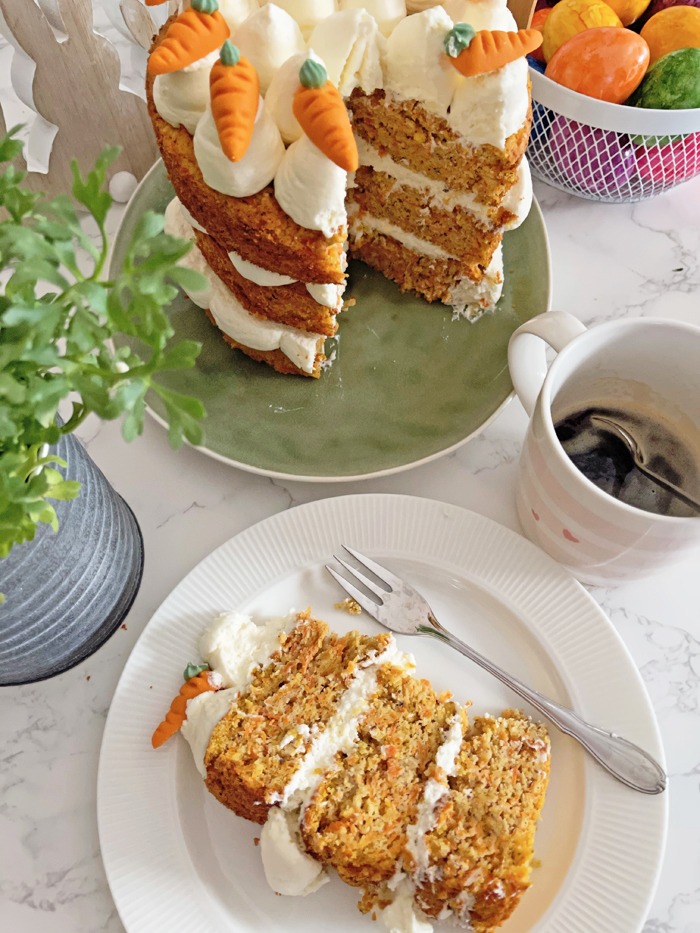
288 869
350 44
257 274
229 314
280 97
470 299
488 108
307 13
415 64
181 97
257 167
236 12
387 13
481 14
310 188
267 39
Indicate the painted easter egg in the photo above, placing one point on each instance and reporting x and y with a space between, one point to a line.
678 27
673 83
629 11
677 161
538 21
605 63
571 16
594 161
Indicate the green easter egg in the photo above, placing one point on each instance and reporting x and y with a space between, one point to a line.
672 83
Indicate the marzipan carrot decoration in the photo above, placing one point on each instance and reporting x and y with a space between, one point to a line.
475 53
154 2
200 682
195 33
235 91
321 113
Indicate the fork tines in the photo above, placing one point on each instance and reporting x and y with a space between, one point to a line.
381 573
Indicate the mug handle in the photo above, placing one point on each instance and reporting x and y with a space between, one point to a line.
527 358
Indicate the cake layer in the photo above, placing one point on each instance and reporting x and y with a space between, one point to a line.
455 231
285 304
417 265
288 350
428 145
482 845
256 750
255 226
358 818
276 359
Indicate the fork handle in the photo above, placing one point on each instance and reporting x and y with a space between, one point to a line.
624 760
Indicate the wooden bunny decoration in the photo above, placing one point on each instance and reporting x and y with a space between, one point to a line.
76 87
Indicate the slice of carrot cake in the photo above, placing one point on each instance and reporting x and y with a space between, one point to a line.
354 766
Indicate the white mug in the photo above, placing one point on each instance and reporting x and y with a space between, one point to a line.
652 363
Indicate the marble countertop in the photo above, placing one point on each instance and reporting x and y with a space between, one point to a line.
608 262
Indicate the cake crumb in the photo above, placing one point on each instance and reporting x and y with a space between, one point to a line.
256 840
349 605
87 677
124 625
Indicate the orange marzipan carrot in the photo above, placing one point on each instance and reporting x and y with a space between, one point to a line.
492 49
190 37
155 2
322 115
235 90
177 713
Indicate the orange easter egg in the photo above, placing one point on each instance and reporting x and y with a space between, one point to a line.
605 63
538 21
677 27
569 17
629 11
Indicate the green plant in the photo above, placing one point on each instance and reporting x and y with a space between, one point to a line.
58 316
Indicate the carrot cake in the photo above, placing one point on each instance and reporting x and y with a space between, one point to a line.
300 133
354 766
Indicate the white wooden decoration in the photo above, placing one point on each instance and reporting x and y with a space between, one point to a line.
141 24
76 88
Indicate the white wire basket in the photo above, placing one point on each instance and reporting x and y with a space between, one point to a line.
609 152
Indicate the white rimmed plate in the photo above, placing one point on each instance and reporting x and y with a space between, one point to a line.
177 860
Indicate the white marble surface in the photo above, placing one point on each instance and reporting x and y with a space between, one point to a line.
608 262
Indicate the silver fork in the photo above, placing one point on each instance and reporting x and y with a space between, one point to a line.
402 609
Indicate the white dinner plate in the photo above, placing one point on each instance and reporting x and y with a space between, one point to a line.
177 860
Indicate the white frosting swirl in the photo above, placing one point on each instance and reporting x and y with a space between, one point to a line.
268 38
181 97
487 108
310 188
349 42
308 13
387 13
481 14
415 62
236 12
280 96
257 167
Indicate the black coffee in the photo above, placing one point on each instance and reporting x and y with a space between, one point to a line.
605 460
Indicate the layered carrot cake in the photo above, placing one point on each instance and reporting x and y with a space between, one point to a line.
300 133
355 767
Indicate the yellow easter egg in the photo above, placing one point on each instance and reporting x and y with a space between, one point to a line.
572 16
677 27
629 11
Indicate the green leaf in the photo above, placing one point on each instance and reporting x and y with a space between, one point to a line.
90 190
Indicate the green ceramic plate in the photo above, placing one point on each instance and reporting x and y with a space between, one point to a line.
407 385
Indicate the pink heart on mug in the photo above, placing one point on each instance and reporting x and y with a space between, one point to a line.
569 537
